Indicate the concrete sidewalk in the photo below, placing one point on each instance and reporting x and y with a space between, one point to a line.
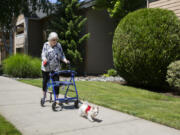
20 104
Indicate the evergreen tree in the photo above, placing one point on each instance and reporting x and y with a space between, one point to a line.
117 9
68 22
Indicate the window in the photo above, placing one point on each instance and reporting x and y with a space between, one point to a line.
19 50
20 29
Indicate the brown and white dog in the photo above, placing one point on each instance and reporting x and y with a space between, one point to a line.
88 111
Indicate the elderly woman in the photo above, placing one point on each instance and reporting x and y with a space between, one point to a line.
52 54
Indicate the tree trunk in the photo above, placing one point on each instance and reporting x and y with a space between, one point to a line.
11 42
5 41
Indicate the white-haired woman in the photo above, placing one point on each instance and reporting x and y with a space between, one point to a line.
52 54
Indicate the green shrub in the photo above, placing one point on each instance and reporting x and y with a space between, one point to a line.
105 75
173 75
36 67
145 43
21 65
112 72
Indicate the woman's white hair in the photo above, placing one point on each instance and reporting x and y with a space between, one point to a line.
53 35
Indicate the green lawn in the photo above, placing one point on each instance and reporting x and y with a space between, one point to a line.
138 102
6 128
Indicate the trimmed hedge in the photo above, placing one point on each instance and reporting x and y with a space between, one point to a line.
21 65
145 43
112 72
173 75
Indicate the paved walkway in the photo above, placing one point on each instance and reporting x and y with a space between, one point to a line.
20 104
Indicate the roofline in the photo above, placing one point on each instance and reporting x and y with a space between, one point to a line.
87 3
151 1
40 15
34 18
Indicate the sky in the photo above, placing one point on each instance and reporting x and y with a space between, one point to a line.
53 1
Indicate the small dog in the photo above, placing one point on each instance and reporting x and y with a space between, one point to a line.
88 111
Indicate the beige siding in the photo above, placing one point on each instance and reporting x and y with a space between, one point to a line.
20 19
173 5
19 39
28 37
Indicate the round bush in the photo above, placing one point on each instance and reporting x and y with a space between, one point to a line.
21 65
145 43
112 72
173 75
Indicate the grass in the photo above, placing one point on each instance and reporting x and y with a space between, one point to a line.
142 103
6 128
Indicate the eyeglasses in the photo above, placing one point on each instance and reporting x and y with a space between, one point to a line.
54 40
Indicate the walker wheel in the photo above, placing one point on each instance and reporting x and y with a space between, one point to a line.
42 102
57 106
76 104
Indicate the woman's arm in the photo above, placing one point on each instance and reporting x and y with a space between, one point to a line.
43 54
65 61
63 58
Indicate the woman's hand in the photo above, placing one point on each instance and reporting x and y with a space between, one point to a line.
45 63
66 61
